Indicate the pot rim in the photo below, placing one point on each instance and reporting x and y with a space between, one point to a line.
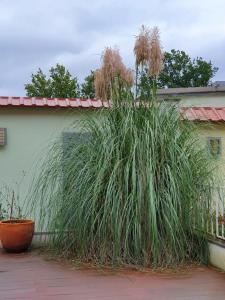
17 222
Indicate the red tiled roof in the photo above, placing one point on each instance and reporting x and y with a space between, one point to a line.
52 102
213 114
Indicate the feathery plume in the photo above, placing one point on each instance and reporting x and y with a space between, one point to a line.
100 85
142 46
112 64
112 71
156 54
128 77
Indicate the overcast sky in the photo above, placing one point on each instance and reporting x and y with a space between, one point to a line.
40 33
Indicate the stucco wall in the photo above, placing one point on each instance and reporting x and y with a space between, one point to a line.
215 130
29 132
217 254
198 100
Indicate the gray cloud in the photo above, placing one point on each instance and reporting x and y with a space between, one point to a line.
41 33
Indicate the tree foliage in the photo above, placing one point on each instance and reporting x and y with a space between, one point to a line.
87 87
39 86
179 71
182 71
60 84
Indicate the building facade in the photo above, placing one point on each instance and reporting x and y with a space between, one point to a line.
29 125
206 107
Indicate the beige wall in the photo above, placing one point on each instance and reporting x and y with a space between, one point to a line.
217 255
29 132
216 100
201 100
214 130
210 129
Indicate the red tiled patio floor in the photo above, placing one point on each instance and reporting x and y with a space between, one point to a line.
29 277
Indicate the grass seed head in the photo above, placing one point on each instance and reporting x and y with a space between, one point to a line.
112 72
156 53
142 46
100 85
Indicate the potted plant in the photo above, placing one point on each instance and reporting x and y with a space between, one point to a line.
15 232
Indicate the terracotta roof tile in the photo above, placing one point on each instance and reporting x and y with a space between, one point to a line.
213 114
51 102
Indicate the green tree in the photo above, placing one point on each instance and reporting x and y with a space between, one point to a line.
182 71
39 86
179 71
87 87
60 84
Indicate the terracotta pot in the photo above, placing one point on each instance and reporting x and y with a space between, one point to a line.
16 235
221 220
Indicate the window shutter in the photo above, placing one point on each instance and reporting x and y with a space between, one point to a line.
214 146
2 136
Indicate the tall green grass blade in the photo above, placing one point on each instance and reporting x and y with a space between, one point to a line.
130 194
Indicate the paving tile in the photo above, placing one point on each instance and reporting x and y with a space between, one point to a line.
29 277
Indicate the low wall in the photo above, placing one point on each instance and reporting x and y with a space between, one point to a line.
217 254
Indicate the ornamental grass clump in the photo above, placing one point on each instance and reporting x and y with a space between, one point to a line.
130 191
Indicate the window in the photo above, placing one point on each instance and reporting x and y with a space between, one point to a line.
214 146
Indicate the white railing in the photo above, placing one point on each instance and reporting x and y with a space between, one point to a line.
216 226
